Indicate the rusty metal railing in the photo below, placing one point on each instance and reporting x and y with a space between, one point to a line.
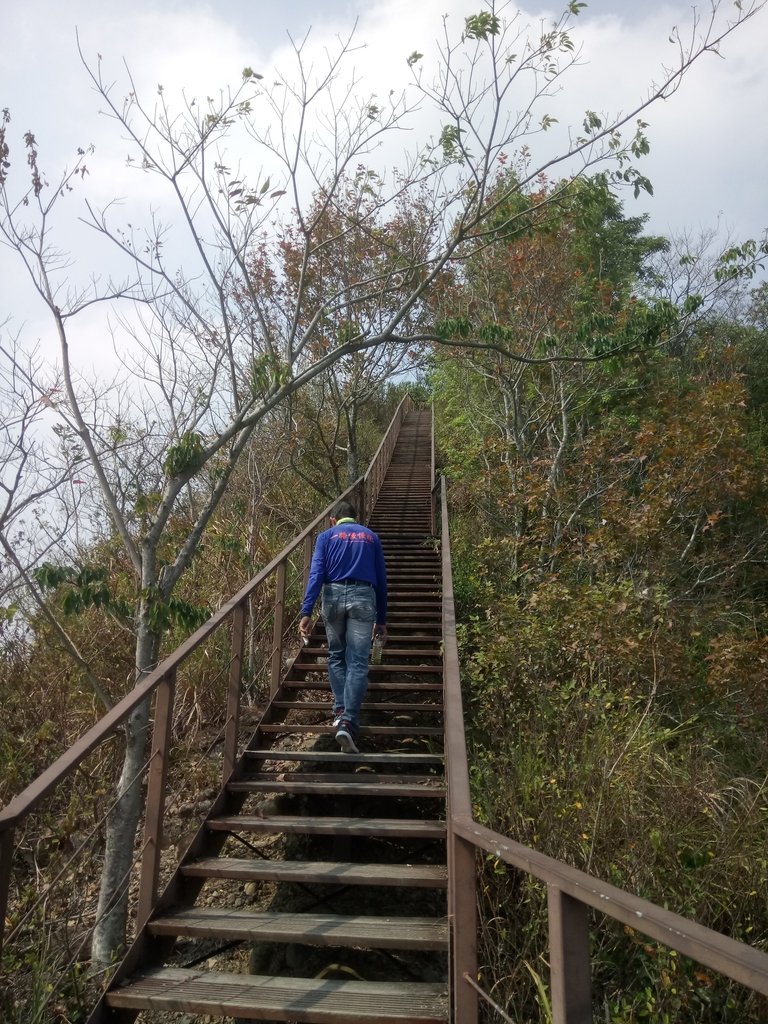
374 476
278 584
571 893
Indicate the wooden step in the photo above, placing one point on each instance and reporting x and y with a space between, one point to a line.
418 876
420 542
407 493
429 624
418 522
324 705
411 562
396 652
414 615
323 684
362 776
424 576
304 1000
232 923
285 728
376 669
316 825
346 786
413 558
337 756
415 602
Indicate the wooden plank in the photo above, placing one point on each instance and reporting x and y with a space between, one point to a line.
416 600
335 755
415 585
284 728
422 876
305 1000
395 629
402 652
329 825
377 669
233 924
403 583
410 554
363 777
414 613
323 684
348 786
421 569
324 705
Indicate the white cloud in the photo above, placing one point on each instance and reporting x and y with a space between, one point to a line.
709 143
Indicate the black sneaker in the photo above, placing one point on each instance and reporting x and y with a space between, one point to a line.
345 737
337 715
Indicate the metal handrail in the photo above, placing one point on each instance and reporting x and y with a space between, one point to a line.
161 681
571 892
734 959
37 790
374 475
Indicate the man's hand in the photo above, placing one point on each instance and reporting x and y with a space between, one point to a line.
305 626
381 632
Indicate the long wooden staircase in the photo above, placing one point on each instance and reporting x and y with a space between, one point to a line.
316 888
355 843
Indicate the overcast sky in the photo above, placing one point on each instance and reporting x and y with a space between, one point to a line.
709 142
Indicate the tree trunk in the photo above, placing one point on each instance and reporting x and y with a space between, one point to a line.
112 914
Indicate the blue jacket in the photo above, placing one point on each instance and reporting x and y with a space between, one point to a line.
348 551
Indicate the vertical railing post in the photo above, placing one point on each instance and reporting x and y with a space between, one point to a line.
234 690
156 784
462 903
6 866
570 971
462 914
308 541
277 631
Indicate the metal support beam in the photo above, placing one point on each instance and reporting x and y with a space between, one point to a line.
570 972
277 631
156 785
6 864
308 544
462 913
234 690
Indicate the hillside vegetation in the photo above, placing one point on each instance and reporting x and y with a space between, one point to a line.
609 524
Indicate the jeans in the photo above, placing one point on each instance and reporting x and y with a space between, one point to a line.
349 611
